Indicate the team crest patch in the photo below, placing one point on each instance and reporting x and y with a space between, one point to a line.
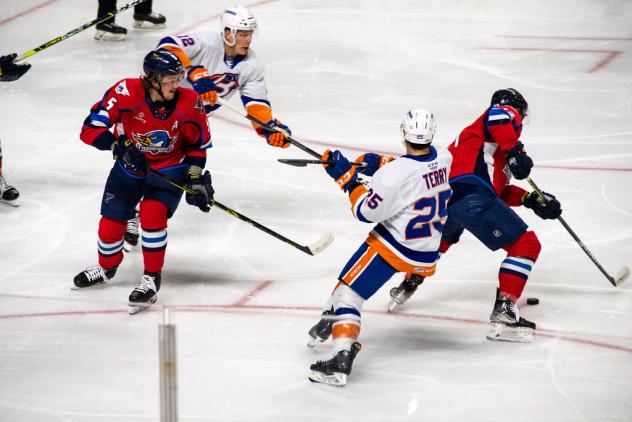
154 142
122 89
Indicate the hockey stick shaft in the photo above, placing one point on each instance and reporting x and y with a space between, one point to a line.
575 237
245 114
76 31
299 162
235 214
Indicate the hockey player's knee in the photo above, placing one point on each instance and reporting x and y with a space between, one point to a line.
153 214
527 246
347 298
111 230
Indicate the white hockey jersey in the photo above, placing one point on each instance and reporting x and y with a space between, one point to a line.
206 48
408 198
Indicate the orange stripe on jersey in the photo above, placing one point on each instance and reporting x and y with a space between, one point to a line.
181 55
355 195
346 331
260 112
395 261
357 269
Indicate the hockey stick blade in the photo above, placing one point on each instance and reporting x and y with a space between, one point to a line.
320 245
622 275
299 162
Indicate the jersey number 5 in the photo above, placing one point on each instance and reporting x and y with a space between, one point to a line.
434 209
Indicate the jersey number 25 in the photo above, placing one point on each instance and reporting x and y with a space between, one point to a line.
435 209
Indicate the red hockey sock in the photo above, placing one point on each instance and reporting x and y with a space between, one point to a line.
516 268
110 242
153 221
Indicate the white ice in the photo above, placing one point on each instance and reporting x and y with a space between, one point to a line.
340 74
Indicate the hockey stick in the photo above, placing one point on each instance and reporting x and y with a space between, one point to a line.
260 123
311 249
622 274
77 30
298 162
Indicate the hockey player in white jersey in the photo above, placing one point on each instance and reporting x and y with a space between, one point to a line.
407 198
220 62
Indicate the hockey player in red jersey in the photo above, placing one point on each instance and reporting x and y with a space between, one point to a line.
158 127
485 156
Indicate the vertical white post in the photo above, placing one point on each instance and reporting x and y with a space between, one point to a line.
168 370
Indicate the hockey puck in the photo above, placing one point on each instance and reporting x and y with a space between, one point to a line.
533 301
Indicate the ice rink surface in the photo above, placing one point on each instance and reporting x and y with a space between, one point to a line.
340 74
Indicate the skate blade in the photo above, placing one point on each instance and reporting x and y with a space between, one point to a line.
107 36
13 204
75 287
392 305
148 25
314 341
336 379
502 332
135 307
128 247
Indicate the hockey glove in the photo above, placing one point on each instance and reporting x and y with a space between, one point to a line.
10 71
203 84
519 162
373 162
131 158
341 171
547 209
275 138
203 185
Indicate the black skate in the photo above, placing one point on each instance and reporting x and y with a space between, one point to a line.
506 324
403 292
322 330
8 194
110 32
335 370
145 293
149 21
93 275
131 235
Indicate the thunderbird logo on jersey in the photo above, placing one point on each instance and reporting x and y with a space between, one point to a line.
155 142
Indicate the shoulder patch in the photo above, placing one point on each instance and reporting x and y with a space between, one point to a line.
121 88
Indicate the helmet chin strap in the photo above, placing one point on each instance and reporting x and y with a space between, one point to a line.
233 32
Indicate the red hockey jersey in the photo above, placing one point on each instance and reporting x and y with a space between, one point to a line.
479 151
167 138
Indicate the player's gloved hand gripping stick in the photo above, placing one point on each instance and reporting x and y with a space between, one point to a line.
622 274
311 249
292 141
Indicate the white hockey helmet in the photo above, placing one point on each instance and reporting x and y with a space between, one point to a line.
418 127
237 18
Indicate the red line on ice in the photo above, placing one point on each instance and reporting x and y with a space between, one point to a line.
265 309
251 294
568 37
26 12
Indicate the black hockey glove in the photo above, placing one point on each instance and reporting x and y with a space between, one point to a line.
202 184
547 209
10 71
132 159
519 162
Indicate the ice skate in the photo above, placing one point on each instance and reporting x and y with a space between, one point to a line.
335 370
145 293
506 324
130 240
403 292
322 330
110 32
149 21
8 194
93 275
